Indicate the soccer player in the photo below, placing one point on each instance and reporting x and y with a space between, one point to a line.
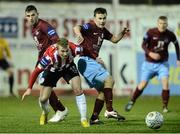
45 35
155 45
90 36
5 59
57 62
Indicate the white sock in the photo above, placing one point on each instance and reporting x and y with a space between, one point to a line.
81 103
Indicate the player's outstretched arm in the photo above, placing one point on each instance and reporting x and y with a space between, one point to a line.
27 92
116 39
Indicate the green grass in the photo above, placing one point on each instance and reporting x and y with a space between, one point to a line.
17 116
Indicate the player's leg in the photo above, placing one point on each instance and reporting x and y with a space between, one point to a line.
146 75
163 75
80 99
96 75
10 80
138 91
55 102
165 94
60 111
7 67
57 106
108 95
49 79
43 100
72 76
99 103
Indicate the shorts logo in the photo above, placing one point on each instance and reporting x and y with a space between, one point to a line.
41 80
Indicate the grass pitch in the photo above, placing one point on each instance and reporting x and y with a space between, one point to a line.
23 117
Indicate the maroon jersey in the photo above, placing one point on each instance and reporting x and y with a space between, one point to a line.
93 38
158 42
44 35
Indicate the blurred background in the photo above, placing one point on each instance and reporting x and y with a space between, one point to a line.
122 60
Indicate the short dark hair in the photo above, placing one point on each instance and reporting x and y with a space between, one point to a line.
30 8
63 42
162 18
100 10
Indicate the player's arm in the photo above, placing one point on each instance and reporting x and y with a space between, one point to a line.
76 49
77 30
44 62
177 48
146 40
51 33
32 80
117 38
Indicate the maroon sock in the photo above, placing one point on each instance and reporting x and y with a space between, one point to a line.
136 94
165 97
108 95
55 102
97 108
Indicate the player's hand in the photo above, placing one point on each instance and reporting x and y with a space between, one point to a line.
178 63
155 56
27 92
100 61
125 31
80 39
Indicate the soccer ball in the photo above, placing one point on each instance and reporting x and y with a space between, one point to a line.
154 120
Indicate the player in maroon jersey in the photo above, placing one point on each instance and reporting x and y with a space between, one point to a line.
155 45
45 35
57 62
90 37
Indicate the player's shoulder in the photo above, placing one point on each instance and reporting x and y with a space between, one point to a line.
51 49
43 23
169 31
151 30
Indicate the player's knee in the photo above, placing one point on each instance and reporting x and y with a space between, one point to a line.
142 85
43 99
109 82
100 96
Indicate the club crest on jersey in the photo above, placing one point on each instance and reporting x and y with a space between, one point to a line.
155 38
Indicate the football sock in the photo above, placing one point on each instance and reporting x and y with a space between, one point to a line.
55 102
97 108
108 98
165 97
44 106
136 94
11 83
81 104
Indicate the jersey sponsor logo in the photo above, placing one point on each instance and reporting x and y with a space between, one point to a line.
86 26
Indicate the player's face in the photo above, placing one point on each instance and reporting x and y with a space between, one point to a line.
63 52
162 25
100 20
31 17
